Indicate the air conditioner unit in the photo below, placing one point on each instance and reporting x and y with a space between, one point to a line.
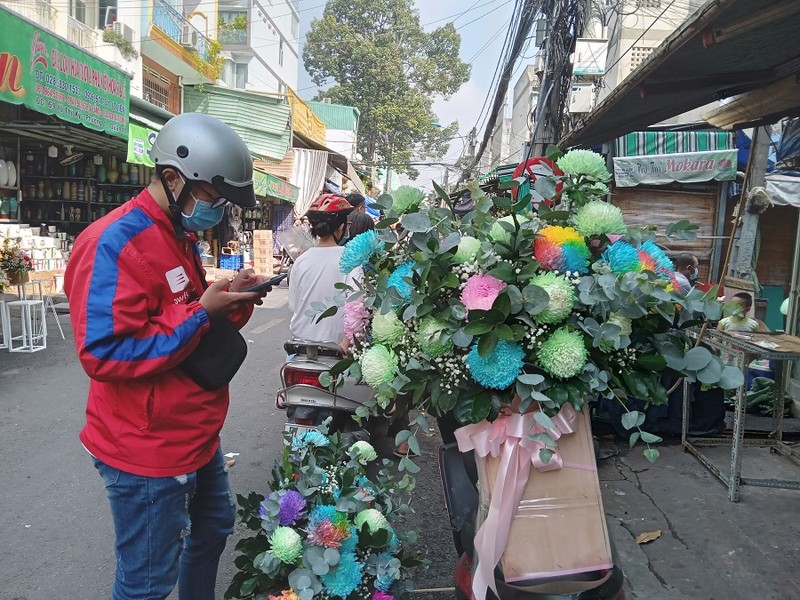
581 98
123 30
188 36
538 62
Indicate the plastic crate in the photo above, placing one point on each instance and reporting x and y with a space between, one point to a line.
231 261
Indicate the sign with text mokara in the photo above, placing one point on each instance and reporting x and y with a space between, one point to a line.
688 167
51 76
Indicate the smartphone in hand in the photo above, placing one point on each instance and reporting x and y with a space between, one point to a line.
267 284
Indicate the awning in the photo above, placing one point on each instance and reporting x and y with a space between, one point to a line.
49 75
336 160
146 121
784 189
729 47
148 114
262 120
352 175
649 143
269 185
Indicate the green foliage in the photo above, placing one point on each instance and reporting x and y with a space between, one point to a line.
125 47
382 62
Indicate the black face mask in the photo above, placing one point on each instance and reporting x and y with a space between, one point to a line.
345 236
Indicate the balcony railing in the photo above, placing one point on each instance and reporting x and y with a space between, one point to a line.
179 28
232 37
81 35
39 11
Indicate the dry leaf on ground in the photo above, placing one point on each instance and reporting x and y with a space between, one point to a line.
648 536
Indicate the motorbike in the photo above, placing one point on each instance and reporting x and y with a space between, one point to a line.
307 403
459 475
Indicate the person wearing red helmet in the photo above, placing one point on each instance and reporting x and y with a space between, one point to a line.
316 272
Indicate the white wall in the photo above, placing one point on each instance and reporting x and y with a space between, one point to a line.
342 141
525 95
271 26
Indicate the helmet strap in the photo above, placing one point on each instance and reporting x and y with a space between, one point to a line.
175 203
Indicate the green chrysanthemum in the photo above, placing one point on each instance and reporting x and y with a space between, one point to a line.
373 518
563 354
406 199
430 330
387 328
625 327
599 218
562 297
378 365
584 162
363 452
287 545
499 234
468 249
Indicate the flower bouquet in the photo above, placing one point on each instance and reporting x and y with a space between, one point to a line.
15 263
511 319
325 530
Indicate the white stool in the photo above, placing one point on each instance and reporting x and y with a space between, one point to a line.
38 294
33 336
5 328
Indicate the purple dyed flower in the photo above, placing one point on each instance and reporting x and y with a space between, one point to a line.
292 507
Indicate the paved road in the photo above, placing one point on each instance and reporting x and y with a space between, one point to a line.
55 528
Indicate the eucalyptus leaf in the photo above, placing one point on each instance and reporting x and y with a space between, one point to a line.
544 438
462 339
487 343
543 420
698 358
530 378
545 454
632 419
651 454
731 378
650 438
416 222
535 299
450 242
386 223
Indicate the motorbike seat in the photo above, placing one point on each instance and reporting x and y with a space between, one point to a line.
313 349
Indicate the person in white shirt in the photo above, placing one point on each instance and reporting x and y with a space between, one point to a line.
686 271
316 272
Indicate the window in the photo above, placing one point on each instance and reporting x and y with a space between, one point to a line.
77 10
241 76
280 52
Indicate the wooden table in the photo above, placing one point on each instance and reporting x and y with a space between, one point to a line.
779 347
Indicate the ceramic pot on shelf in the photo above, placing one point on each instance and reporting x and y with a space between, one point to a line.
112 173
124 173
102 177
13 206
3 173
12 174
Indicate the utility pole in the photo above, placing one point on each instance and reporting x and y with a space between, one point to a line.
566 23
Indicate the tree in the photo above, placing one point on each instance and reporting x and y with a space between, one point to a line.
381 61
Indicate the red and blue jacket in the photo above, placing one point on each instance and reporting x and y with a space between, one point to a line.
133 290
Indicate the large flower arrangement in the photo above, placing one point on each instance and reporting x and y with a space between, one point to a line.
14 262
537 309
325 530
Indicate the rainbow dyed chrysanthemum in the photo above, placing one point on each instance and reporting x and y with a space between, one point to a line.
561 249
622 257
327 527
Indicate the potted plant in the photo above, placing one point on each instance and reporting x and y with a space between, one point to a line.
15 263
325 529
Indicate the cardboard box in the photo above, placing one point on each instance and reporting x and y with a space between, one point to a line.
559 529
262 234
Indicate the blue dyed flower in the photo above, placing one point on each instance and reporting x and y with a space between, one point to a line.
498 369
292 507
309 438
663 262
321 513
345 578
349 545
622 257
359 250
398 281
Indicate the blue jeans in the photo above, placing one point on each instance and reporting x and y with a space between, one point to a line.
168 530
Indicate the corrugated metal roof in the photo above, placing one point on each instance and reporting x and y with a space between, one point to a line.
728 48
336 116
262 120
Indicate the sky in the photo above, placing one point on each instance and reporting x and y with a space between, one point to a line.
483 25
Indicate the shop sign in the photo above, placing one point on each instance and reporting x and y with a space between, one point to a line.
269 185
689 167
589 57
53 77
140 142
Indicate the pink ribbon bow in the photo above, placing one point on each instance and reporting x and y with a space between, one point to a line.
507 437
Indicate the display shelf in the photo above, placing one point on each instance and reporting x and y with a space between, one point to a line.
778 347
5 188
52 200
9 221
58 178
119 185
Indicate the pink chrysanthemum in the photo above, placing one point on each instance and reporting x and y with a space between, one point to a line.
379 595
356 317
481 291
327 534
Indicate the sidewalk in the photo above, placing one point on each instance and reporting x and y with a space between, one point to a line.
709 548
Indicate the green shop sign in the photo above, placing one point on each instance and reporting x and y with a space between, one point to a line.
140 142
49 75
269 185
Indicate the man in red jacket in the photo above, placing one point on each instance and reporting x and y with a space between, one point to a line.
139 306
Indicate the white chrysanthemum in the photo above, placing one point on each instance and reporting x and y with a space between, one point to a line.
468 249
